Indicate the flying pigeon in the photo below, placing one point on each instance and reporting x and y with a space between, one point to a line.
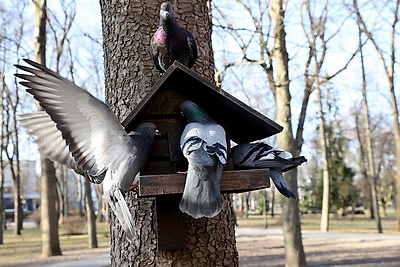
79 131
172 42
203 143
261 155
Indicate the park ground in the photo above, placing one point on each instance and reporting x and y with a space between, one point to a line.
352 241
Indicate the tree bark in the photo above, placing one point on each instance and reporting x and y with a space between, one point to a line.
49 217
90 215
127 29
294 251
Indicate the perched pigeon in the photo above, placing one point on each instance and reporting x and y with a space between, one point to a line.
260 155
203 143
79 131
172 42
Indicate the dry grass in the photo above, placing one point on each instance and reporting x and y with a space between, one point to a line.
27 247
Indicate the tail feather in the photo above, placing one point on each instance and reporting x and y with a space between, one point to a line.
280 183
202 196
120 209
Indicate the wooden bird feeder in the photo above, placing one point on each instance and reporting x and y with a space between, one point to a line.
160 177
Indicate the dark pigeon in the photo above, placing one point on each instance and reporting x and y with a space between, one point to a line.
203 143
172 42
261 155
79 131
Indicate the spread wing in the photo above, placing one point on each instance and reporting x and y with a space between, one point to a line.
90 130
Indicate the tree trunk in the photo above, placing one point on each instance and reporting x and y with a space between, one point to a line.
127 29
49 218
325 165
91 217
368 136
80 195
294 252
99 192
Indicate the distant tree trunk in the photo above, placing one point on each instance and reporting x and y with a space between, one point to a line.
273 201
294 251
127 29
245 204
372 177
99 191
91 217
80 195
389 68
60 198
49 217
325 164
65 191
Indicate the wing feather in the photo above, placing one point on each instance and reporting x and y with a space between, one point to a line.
79 117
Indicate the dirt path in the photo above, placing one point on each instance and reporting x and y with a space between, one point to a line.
260 247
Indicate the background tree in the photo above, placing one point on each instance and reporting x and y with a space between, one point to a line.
127 29
49 217
388 63
90 215
372 174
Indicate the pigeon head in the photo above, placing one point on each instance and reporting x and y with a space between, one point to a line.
166 14
147 129
194 113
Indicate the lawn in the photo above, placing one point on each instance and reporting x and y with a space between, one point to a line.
28 244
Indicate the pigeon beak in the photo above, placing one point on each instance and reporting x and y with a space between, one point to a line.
158 133
164 14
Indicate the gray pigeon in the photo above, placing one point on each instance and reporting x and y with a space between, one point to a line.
79 131
203 143
172 42
261 155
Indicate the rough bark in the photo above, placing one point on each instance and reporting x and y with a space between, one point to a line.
127 29
49 217
294 251
90 215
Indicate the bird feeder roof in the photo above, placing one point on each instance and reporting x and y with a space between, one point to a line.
241 122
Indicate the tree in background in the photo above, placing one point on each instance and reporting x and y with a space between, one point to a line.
49 216
388 62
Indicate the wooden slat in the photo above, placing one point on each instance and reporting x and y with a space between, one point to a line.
231 182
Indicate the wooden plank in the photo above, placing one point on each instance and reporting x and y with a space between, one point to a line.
231 182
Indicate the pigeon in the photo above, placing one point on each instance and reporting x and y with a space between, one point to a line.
203 143
77 130
172 42
260 155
